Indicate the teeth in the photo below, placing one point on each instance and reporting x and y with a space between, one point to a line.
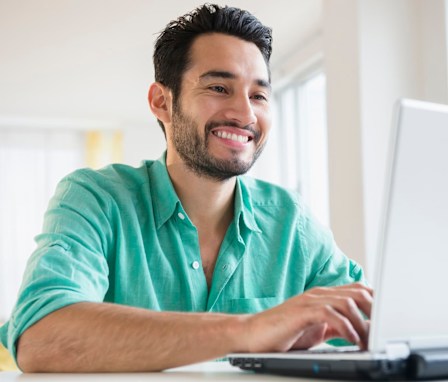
232 137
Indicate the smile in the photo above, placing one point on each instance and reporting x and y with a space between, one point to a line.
232 136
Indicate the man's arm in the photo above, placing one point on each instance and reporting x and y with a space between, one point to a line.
87 337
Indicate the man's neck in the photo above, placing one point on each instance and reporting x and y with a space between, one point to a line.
208 203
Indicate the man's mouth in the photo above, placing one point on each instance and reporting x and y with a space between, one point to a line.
232 136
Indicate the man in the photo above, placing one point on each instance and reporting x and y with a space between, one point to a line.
182 260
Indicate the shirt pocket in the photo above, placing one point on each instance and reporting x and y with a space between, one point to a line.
251 305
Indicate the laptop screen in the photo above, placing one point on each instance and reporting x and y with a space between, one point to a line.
411 278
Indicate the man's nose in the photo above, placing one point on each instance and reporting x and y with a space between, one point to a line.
241 110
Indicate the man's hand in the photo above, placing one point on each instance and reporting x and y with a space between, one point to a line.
311 318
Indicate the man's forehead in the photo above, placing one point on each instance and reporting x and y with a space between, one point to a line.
220 55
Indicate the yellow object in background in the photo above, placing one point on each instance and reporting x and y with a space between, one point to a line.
103 148
6 361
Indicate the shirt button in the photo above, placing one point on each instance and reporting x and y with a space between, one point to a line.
195 264
181 216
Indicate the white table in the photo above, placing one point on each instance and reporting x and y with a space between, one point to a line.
207 371
213 371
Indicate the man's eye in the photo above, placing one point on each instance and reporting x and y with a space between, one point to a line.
218 89
260 97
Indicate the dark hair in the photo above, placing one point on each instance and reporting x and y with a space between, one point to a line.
172 48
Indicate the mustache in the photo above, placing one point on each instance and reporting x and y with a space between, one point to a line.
213 124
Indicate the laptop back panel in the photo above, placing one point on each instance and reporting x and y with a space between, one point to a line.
411 307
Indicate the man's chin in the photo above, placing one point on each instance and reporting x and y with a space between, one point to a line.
233 156
221 170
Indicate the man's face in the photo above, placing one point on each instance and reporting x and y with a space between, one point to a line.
222 118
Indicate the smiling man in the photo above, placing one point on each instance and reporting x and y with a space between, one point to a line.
228 91
184 259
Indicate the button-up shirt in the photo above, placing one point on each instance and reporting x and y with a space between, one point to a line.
121 235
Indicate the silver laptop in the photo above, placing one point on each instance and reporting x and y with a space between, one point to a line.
409 323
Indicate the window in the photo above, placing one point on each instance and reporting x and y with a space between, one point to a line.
31 164
296 154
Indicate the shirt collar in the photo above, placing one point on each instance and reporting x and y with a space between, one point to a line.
166 201
244 210
164 198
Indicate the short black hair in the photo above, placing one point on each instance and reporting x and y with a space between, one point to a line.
172 48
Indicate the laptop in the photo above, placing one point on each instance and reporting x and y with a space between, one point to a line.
408 336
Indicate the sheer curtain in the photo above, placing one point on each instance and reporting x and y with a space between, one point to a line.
31 164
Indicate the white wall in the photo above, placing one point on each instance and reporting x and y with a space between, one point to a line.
140 143
342 67
376 51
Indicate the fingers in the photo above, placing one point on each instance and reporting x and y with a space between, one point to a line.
311 336
312 317
349 319
360 294
342 316
340 324
341 307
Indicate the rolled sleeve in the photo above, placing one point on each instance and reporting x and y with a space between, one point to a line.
70 262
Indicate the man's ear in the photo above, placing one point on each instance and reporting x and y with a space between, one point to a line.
160 102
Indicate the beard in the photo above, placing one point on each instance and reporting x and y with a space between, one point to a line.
193 149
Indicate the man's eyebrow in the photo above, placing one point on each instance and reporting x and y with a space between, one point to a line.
217 74
228 75
264 84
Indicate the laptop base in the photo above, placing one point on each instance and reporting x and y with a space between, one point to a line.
343 369
420 365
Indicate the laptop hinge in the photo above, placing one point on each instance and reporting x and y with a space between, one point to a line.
397 350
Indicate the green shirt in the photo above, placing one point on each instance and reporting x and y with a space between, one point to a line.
121 235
